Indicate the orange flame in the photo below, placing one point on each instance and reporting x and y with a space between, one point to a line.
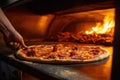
106 27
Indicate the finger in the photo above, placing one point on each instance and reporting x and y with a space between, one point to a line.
23 44
19 46
11 43
15 45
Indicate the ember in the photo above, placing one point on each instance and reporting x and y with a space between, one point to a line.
80 37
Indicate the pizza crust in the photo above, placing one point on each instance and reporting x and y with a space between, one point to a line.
22 56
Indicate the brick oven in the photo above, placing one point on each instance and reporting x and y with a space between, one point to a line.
85 22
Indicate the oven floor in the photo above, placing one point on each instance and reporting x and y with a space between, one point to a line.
100 70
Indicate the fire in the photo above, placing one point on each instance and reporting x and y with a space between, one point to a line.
106 27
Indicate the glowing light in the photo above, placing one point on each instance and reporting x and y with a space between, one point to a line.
106 27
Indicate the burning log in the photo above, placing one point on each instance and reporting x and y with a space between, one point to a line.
105 39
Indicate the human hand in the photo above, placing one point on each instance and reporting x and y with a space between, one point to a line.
14 40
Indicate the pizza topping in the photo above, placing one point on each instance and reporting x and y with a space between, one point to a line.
72 53
76 57
52 55
30 52
62 51
94 52
75 48
54 48
62 54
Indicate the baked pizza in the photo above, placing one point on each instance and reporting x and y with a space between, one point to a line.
62 53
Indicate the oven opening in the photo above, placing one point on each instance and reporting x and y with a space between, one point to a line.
92 27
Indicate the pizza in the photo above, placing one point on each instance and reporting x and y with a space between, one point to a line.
62 53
